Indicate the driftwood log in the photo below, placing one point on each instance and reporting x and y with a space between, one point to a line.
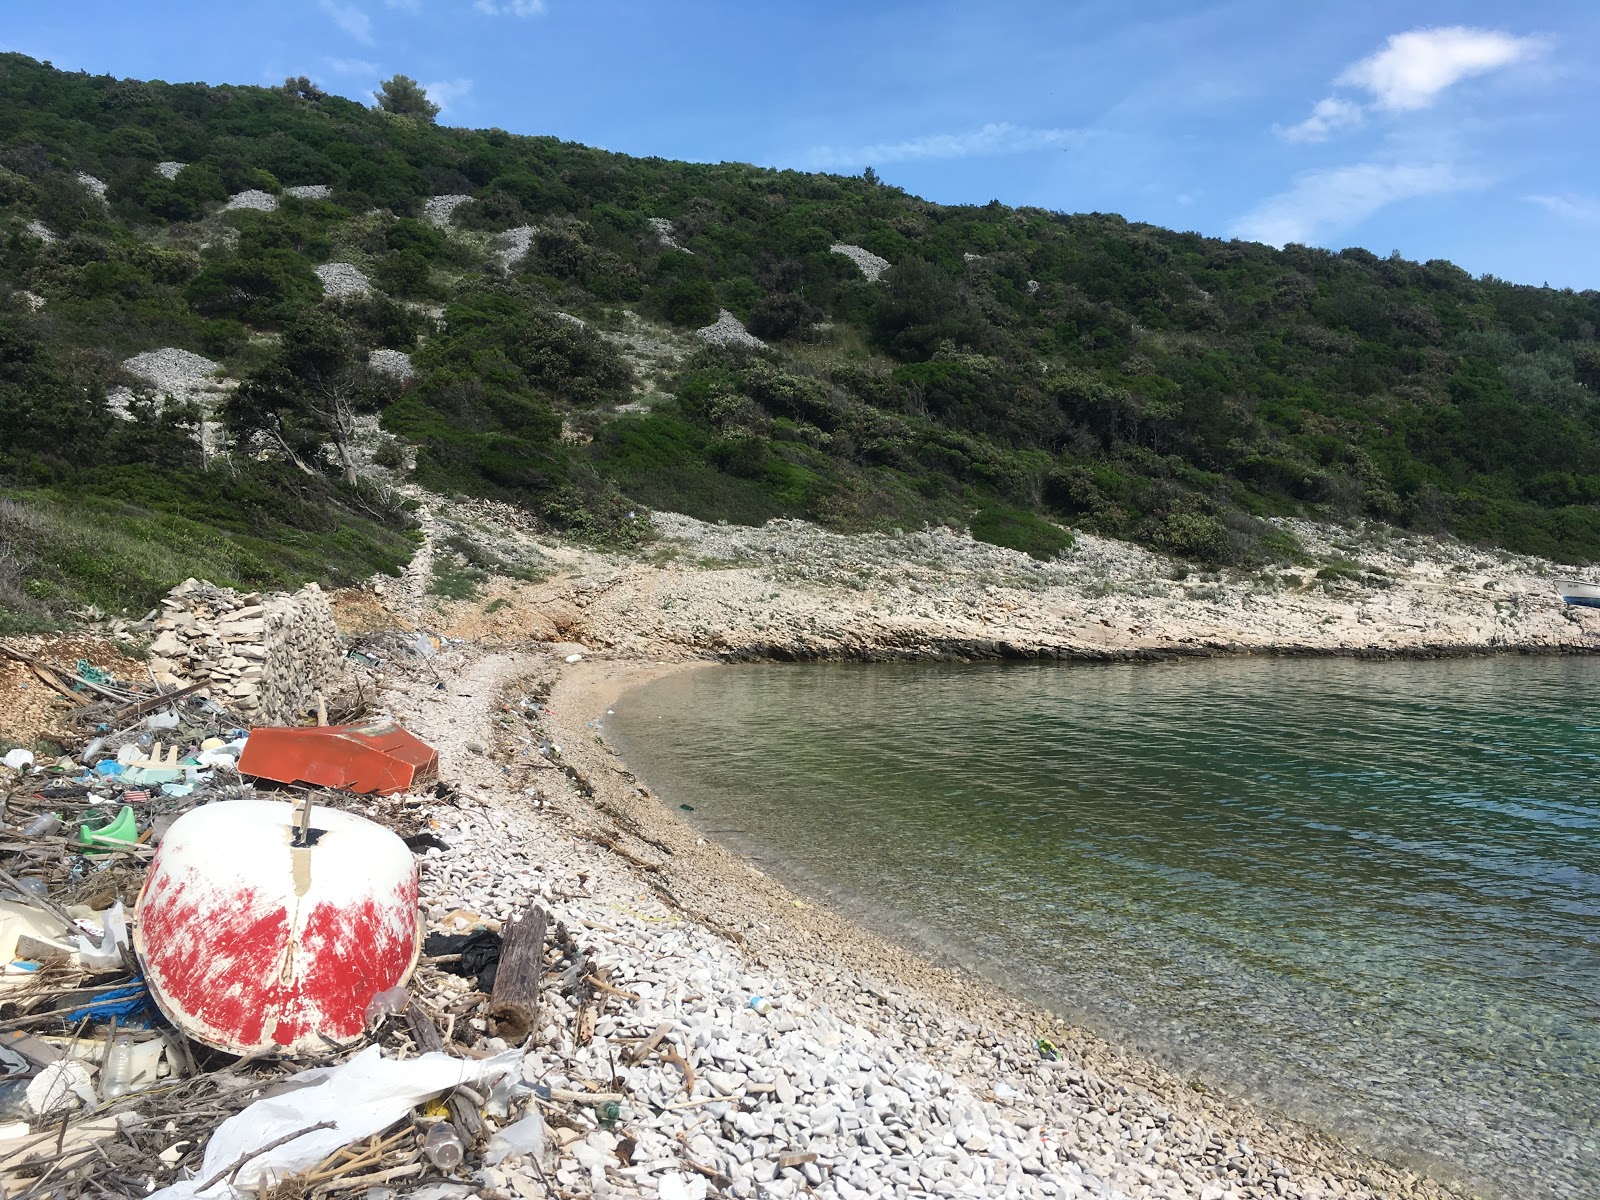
514 1003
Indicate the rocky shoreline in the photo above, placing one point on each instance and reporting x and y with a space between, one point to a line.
877 1072
860 1017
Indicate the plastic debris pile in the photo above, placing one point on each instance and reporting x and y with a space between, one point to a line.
209 988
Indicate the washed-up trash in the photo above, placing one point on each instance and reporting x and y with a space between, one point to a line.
130 1066
480 954
443 1146
375 756
117 834
60 1086
109 767
356 1099
129 1005
42 825
523 1137
162 720
19 759
572 658
253 936
110 930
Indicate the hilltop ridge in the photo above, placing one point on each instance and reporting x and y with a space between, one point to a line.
365 300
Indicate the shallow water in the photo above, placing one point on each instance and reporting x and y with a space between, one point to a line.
1366 894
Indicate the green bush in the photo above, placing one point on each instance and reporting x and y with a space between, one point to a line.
1017 529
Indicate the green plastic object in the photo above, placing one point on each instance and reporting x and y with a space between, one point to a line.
116 836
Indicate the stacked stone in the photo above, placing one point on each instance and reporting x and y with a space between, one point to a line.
265 658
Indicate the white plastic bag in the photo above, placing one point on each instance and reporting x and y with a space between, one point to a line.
359 1098
523 1137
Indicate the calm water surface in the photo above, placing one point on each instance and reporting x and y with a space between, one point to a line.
1364 894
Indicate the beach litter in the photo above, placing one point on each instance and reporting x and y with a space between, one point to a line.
375 756
264 924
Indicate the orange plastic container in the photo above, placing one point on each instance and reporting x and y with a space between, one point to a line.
374 756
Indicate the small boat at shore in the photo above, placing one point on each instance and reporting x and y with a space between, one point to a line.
1574 591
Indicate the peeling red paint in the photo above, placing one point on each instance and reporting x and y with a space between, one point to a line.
237 959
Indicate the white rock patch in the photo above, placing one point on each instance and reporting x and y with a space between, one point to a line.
185 377
437 210
169 170
727 331
254 199
512 246
309 191
871 265
391 362
39 230
33 300
663 228
97 186
340 280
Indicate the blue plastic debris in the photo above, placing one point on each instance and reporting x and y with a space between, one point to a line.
130 1005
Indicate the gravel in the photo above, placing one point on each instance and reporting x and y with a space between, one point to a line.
341 280
169 170
184 376
727 331
871 265
39 230
437 210
254 199
391 362
512 246
309 191
663 229
97 186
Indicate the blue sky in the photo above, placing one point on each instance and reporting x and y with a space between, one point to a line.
1444 130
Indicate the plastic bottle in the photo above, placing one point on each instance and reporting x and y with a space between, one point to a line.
386 1004
42 826
116 1073
443 1146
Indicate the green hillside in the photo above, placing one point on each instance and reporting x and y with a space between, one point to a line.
1013 370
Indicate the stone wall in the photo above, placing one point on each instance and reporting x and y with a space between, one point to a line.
267 658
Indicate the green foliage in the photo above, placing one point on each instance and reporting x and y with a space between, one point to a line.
1079 368
120 537
405 97
1017 529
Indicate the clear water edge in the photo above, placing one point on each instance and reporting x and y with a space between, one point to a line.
1365 895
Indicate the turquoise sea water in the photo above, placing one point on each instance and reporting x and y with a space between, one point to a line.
1366 894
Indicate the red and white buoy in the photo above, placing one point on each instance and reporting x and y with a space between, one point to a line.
256 934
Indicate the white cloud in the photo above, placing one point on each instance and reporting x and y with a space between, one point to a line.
447 92
1571 206
350 19
510 8
1409 72
1329 115
1326 201
999 138
1412 68
350 66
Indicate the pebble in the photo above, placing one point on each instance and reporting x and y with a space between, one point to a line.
871 265
254 199
727 331
341 280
